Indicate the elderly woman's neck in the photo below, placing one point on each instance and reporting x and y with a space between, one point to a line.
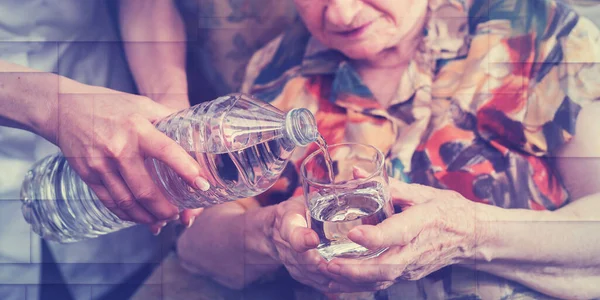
383 74
392 58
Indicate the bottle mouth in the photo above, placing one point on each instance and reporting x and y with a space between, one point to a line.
301 126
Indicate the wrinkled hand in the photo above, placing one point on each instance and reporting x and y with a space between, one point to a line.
106 137
435 229
296 244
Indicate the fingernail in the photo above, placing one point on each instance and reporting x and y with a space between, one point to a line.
175 218
309 239
202 184
322 268
163 224
157 232
355 234
191 222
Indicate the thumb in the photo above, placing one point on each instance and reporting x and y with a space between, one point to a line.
294 229
406 194
398 230
403 194
155 111
358 172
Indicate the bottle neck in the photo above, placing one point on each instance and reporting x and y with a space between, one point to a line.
301 127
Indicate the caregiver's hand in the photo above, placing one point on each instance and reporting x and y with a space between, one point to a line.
436 228
106 137
295 244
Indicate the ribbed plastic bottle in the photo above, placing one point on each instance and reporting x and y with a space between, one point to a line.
241 144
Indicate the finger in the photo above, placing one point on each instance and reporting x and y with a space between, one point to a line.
94 181
313 279
316 281
159 146
304 267
337 287
174 101
364 272
406 195
104 197
308 265
310 260
294 230
155 111
322 268
189 215
397 230
156 228
144 190
124 199
403 194
358 172
304 239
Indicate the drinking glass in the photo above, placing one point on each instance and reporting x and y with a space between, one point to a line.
334 208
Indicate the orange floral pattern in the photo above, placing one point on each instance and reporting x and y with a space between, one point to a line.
492 93
481 109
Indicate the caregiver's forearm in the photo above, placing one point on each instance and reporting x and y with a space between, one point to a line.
552 252
154 38
29 99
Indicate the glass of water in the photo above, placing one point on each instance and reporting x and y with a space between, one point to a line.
334 208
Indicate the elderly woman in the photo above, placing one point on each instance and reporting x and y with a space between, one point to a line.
485 111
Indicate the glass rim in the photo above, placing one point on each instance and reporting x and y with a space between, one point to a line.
380 160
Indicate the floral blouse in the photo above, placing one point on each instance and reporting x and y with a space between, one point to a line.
492 93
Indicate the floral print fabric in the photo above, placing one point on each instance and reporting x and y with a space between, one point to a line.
492 92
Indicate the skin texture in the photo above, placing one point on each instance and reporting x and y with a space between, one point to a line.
106 144
382 26
153 31
107 135
437 228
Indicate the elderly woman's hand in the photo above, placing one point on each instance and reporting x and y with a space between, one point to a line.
435 229
296 244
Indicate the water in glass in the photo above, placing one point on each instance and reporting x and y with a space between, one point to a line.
338 202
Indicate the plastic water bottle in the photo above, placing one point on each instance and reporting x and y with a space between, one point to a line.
241 144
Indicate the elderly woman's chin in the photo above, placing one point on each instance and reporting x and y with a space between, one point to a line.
368 47
362 51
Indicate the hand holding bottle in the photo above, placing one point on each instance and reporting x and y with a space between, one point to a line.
239 144
106 137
